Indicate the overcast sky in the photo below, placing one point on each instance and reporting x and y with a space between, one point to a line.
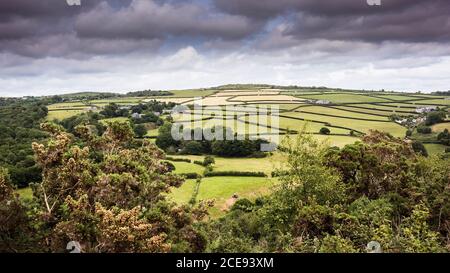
49 47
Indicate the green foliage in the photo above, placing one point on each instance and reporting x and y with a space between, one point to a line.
165 139
336 244
444 137
19 127
113 110
424 129
419 148
89 197
190 175
140 130
148 93
192 148
89 119
225 148
325 131
435 117
338 200
235 173
177 159
208 160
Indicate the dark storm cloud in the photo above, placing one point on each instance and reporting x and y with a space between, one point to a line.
149 20
53 28
269 8
394 20
100 27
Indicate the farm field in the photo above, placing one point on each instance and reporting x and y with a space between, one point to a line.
266 164
63 114
435 148
347 115
441 127
343 98
185 167
221 190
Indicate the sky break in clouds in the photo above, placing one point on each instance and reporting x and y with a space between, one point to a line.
49 47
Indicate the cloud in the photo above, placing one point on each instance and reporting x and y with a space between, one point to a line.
47 46
400 20
149 20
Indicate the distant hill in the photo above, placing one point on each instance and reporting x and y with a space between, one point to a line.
89 95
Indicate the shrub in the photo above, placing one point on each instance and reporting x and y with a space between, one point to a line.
169 166
175 159
278 173
243 204
419 148
140 130
435 117
190 175
193 148
235 173
198 162
325 131
209 160
424 129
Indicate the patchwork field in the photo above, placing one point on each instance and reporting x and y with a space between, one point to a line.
347 115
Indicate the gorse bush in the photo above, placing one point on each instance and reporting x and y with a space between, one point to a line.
89 198
338 200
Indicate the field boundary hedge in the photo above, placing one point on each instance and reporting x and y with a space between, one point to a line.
235 173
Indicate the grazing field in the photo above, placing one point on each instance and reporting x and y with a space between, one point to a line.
174 100
184 167
63 114
339 113
311 127
266 164
398 97
437 102
221 190
266 98
441 127
119 119
245 93
343 98
191 93
358 125
435 148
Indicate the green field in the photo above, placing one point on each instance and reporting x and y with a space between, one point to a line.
441 127
435 148
63 114
184 167
119 119
190 93
359 125
221 189
266 164
343 98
